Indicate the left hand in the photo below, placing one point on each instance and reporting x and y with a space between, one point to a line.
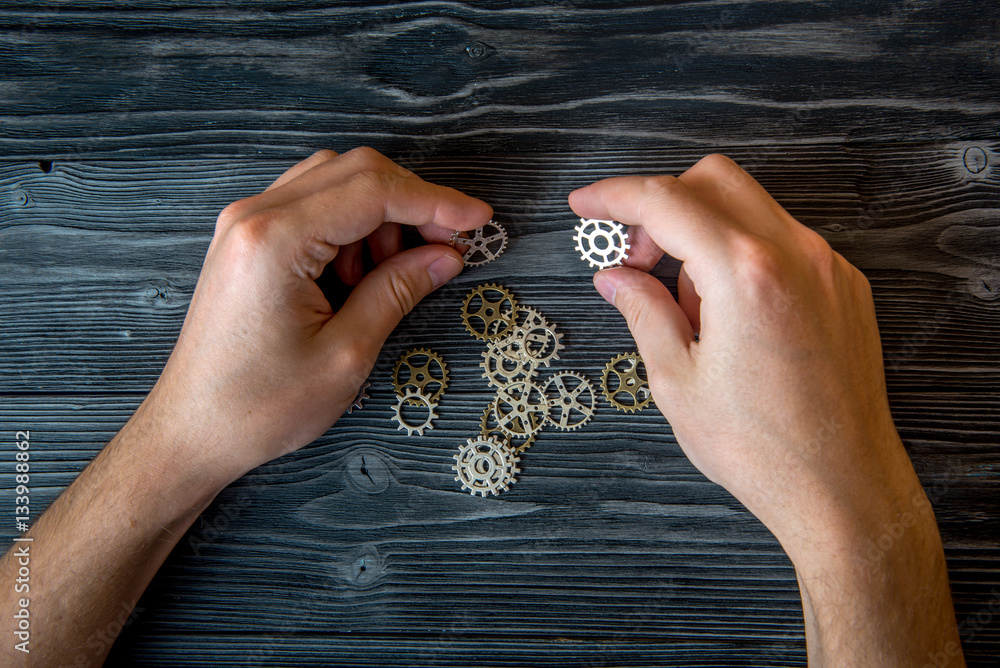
263 364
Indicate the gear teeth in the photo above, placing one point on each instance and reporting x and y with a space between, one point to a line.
414 370
586 409
485 466
479 245
412 429
638 384
615 235
501 314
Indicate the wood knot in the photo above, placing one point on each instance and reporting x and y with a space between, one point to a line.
367 471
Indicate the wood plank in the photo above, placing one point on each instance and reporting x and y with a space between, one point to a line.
100 259
83 79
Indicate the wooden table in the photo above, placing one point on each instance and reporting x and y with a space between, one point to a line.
125 130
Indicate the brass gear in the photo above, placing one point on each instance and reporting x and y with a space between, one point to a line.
621 379
572 400
488 428
520 409
493 318
411 371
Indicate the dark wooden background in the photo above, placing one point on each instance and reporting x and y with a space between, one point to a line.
126 127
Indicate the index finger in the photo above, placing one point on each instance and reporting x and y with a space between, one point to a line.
674 217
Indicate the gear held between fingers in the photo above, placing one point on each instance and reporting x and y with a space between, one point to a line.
601 243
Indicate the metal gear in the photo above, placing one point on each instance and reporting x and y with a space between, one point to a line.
485 466
359 400
572 400
501 370
488 312
533 339
411 428
621 379
429 377
520 409
486 244
488 428
602 243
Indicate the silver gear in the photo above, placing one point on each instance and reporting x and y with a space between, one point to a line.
485 466
519 409
486 244
488 428
359 400
621 379
493 319
533 339
613 248
500 370
572 400
410 397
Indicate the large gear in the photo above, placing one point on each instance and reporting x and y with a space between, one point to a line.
621 379
488 428
485 466
500 370
572 400
488 312
413 397
423 370
486 244
602 243
520 409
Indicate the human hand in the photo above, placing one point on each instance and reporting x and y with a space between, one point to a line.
782 398
263 365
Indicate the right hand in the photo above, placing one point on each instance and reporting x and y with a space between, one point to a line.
781 399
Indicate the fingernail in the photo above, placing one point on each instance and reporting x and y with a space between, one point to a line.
605 287
444 269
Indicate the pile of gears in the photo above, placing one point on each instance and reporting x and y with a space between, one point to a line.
519 343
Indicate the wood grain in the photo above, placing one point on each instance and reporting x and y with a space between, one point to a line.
124 130
275 79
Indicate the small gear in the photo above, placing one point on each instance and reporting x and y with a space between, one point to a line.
486 244
485 466
520 409
488 428
602 243
500 369
572 400
621 379
488 312
414 397
423 370
359 400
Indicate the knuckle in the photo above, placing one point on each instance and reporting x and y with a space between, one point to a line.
232 213
252 230
372 183
402 295
758 263
325 154
661 187
366 157
718 163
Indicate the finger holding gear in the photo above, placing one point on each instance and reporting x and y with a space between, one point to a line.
601 243
488 312
423 370
624 383
483 244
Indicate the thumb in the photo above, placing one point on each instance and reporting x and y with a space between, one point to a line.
658 325
389 292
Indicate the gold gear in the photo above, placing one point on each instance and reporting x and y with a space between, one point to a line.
627 384
500 370
488 428
412 373
494 318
